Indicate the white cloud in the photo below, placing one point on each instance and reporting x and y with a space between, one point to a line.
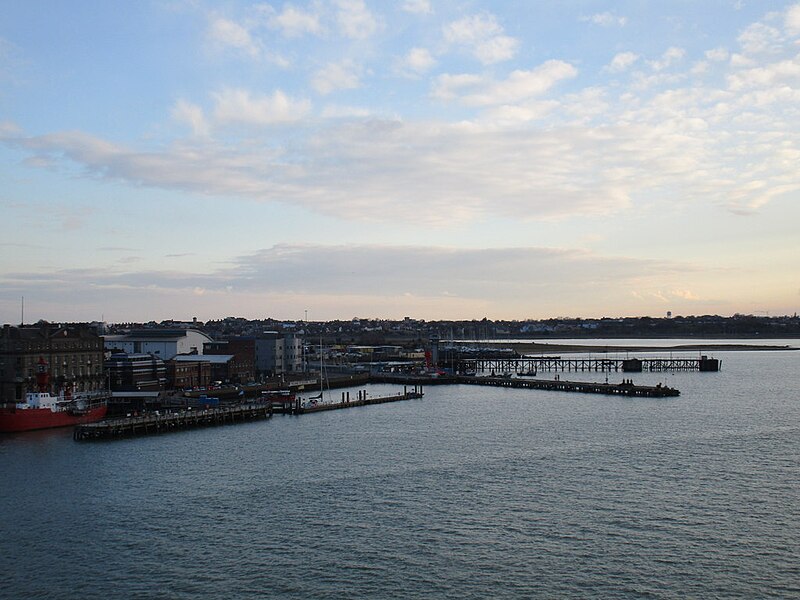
235 105
760 38
337 76
792 20
484 36
417 60
786 72
741 61
668 59
622 62
192 115
355 19
228 33
496 49
606 19
520 85
294 22
449 87
472 29
420 7
333 111
717 54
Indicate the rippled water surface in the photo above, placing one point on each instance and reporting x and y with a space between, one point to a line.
470 493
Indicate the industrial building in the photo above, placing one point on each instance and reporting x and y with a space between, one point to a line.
164 343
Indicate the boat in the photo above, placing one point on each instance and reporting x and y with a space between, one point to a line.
42 410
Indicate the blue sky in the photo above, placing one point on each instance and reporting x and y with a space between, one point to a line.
433 159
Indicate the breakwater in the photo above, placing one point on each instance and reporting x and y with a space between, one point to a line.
535 364
625 388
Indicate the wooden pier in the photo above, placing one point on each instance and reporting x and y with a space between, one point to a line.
534 364
363 399
190 419
160 423
556 385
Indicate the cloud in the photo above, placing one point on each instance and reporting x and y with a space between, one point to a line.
785 72
417 61
240 106
484 36
717 54
606 19
668 59
519 146
337 76
227 33
355 279
294 22
419 7
355 20
792 20
760 38
192 115
520 85
622 62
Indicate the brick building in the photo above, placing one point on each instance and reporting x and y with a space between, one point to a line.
72 356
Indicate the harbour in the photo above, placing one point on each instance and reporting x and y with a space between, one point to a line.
499 491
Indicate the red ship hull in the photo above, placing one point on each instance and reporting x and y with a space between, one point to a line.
13 419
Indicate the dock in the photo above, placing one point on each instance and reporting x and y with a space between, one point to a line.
536 364
177 421
363 399
240 413
556 385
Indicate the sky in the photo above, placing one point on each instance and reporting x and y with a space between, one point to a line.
437 159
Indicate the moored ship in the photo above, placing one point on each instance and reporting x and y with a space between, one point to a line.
41 410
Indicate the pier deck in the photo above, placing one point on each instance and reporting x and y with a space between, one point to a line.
609 389
535 364
362 400
190 419
159 423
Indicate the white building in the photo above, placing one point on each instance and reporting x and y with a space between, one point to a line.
164 343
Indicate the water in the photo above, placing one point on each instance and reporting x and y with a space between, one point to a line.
469 493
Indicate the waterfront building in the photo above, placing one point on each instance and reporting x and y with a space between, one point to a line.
185 374
164 343
243 349
278 353
136 372
71 354
218 365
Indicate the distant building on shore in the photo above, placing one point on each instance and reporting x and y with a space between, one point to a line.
164 343
71 355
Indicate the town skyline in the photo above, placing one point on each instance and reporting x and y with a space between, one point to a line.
432 159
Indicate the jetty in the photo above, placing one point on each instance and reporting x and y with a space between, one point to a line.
171 421
362 399
535 364
154 423
626 388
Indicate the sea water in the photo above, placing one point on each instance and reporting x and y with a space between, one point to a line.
471 492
